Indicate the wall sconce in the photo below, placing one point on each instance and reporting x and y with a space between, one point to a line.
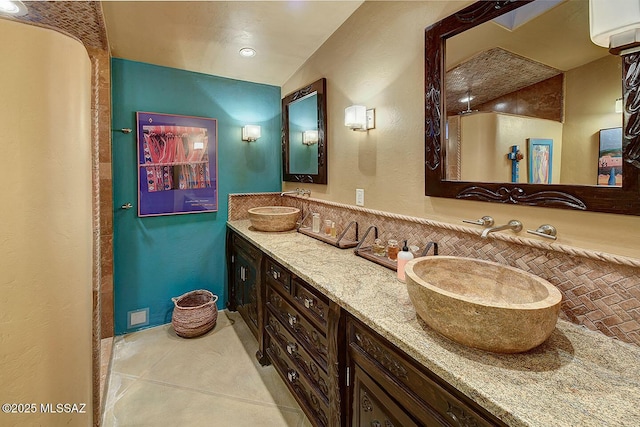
12 7
250 133
357 117
615 27
310 137
619 105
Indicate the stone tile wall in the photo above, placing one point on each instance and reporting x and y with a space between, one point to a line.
600 291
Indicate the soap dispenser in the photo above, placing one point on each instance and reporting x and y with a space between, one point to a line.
403 257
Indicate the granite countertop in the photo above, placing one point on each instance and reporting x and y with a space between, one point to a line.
576 378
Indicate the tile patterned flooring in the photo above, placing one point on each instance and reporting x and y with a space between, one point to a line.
158 378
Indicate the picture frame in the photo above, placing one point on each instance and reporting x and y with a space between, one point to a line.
610 157
540 163
177 164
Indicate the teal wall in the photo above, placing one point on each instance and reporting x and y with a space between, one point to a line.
303 116
157 258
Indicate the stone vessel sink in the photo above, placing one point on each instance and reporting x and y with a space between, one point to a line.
483 304
274 218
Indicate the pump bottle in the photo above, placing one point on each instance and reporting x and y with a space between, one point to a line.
404 256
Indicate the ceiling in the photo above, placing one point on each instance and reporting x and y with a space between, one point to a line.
489 61
201 36
206 36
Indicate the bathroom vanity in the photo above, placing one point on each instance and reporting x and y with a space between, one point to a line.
344 336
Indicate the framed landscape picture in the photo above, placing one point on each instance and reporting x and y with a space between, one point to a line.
610 157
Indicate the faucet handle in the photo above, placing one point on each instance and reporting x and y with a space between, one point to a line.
515 225
545 230
485 221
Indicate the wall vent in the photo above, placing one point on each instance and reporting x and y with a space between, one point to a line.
138 318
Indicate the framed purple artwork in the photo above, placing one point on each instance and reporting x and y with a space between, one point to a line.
177 164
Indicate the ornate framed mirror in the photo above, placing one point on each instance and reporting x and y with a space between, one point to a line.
449 72
304 134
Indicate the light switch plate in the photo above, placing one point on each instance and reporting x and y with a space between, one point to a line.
359 197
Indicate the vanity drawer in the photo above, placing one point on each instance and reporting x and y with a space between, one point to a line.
278 275
247 247
314 341
297 353
316 406
372 406
311 302
426 395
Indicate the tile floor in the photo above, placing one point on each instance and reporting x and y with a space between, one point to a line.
158 378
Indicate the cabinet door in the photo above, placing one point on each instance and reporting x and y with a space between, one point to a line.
372 407
247 289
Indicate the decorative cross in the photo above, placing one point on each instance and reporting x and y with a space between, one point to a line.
515 156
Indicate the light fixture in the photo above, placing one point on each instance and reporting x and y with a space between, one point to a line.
247 52
357 117
15 8
619 105
615 25
250 133
310 137
467 99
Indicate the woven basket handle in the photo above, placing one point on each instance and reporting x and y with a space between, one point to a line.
214 299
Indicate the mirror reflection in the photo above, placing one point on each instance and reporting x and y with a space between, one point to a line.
303 135
530 99
304 144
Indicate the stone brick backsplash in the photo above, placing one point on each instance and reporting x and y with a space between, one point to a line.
600 291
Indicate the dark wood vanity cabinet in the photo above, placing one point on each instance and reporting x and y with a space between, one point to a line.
244 269
304 341
340 371
389 388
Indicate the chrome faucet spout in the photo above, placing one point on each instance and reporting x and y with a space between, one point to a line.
514 225
297 192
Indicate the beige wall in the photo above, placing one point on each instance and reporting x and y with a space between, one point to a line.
377 59
488 137
45 224
588 111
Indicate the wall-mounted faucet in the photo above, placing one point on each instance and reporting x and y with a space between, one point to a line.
298 192
514 225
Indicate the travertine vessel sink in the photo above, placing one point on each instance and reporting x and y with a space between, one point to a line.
483 304
274 218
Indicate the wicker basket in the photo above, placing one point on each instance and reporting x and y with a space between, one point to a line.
195 313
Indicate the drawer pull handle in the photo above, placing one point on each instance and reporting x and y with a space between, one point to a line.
308 302
292 348
376 423
292 375
293 319
276 275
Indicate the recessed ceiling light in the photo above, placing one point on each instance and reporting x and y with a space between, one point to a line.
247 52
15 7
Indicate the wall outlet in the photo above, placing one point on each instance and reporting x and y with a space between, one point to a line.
138 318
359 197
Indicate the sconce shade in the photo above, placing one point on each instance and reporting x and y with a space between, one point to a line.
355 117
12 7
310 137
250 133
615 24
